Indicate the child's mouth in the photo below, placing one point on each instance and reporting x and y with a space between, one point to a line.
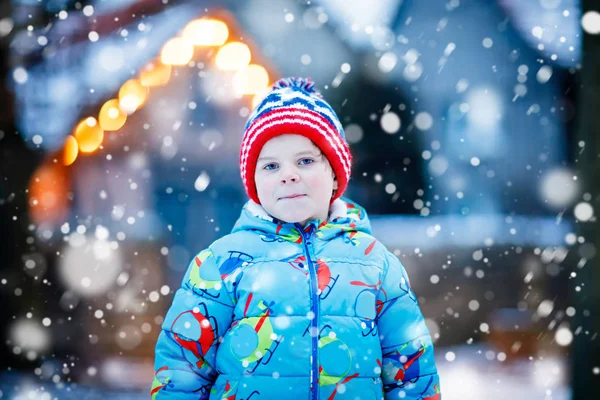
293 196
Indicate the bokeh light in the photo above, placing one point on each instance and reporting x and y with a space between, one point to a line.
70 150
29 335
89 135
486 108
111 117
206 32
48 187
155 74
558 188
177 51
259 96
132 95
251 79
233 56
89 266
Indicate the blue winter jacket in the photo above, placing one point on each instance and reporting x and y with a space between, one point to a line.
279 311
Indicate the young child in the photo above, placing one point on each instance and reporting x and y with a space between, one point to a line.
299 301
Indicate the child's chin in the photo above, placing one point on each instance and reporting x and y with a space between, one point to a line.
292 217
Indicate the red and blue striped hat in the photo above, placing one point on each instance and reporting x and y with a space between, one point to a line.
294 106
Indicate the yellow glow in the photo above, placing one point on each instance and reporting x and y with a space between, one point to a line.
233 56
70 150
155 74
89 135
251 79
177 51
131 96
206 32
111 117
258 97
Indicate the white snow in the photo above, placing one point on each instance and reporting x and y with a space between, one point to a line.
20 75
544 74
390 122
558 187
583 211
563 335
387 62
423 121
202 181
590 22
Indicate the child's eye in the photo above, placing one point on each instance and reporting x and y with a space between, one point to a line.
306 161
270 166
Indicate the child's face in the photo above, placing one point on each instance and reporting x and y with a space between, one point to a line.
291 165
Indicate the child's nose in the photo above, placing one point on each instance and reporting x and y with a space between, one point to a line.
289 175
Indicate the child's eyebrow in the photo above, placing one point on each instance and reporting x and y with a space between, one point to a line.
308 152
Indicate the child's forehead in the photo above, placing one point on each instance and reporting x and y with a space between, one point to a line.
290 141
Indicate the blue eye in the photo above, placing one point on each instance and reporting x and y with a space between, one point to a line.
270 166
309 161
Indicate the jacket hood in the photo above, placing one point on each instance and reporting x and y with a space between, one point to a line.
344 216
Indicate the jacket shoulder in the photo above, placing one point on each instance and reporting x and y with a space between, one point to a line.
246 241
230 242
380 253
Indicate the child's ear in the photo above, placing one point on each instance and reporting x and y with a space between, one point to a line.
335 182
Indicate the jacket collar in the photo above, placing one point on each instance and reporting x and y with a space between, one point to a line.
344 216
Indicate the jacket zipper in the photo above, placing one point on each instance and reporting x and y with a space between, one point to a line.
315 320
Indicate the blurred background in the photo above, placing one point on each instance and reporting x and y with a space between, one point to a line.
473 123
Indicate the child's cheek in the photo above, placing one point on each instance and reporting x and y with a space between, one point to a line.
316 182
266 186
271 185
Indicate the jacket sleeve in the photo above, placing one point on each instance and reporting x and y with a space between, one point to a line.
201 313
408 367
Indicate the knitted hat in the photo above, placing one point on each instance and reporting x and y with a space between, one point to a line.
294 107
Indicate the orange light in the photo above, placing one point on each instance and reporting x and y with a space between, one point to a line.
206 32
155 74
89 135
251 79
70 150
177 51
48 200
233 56
131 96
258 97
111 117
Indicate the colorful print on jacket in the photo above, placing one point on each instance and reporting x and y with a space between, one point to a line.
277 311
